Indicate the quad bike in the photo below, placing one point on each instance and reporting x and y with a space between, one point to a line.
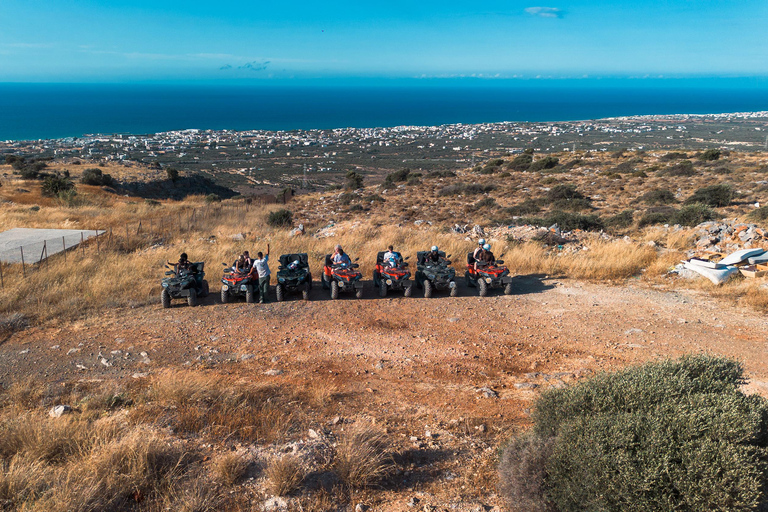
488 276
342 277
293 275
435 275
189 283
387 277
237 284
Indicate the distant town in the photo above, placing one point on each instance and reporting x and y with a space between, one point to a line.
312 159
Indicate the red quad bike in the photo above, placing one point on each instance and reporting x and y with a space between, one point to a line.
387 278
344 277
488 276
236 284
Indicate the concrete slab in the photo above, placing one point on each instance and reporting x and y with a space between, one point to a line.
32 241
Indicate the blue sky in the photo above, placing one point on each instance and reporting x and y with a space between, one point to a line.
138 40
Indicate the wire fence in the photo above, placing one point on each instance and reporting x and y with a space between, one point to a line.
27 258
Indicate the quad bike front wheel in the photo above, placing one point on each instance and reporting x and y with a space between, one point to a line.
165 298
280 293
382 289
482 287
334 290
508 289
455 291
225 295
250 297
324 281
206 289
305 291
408 290
359 293
192 298
427 289
469 281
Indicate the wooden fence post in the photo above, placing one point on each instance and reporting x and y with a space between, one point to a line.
82 243
23 269
64 248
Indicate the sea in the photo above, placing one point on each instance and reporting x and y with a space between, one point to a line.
47 111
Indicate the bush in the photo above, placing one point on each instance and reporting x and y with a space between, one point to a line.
566 197
527 207
621 220
363 458
280 218
660 215
521 162
172 174
693 214
715 195
54 185
397 176
486 202
670 435
441 174
96 177
548 162
658 196
568 221
346 198
759 213
710 155
466 189
684 168
212 198
673 156
353 181
285 475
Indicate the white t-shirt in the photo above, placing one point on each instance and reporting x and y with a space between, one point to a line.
262 267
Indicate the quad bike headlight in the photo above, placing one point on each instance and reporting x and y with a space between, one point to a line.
224 287
165 285
243 287
488 280
281 279
389 282
452 284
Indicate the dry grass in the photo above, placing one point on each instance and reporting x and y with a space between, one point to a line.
230 468
285 475
363 458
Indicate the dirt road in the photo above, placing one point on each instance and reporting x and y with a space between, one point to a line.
413 364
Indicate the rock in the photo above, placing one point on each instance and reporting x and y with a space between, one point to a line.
59 410
297 231
313 434
336 420
361 507
478 230
275 503
238 237
140 375
105 362
414 501
418 222
525 385
488 392
481 428
273 372
25 351
246 357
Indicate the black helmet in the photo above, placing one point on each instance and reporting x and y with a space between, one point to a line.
183 257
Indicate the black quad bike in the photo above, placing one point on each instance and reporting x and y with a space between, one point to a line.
342 277
488 276
237 284
181 283
435 275
293 275
387 277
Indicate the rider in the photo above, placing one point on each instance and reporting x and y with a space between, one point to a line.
433 256
183 263
391 257
340 257
241 265
480 244
485 257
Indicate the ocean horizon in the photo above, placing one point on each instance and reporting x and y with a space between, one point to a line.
52 111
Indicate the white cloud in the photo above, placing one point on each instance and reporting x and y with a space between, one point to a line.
544 12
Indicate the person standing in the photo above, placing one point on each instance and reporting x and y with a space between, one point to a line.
261 263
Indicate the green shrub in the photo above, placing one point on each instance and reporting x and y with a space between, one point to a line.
346 198
465 189
759 213
353 181
639 174
548 162
710 155
659 215
673 156
212 198
441 174
397 176
621 220
374 198
521 162
567 221
658 196
96 177
486 202
566 197
172 174
684 168
54 185
669 435
693 214
714 195
280 218
527 207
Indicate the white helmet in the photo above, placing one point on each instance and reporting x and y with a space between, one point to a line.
487 247
434 248
481 241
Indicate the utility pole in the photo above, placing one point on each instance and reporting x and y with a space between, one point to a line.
304 186
766 142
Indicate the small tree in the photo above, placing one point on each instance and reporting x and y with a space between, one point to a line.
354 180
280 218
95 176
710 155
715 195
173 174
56 184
